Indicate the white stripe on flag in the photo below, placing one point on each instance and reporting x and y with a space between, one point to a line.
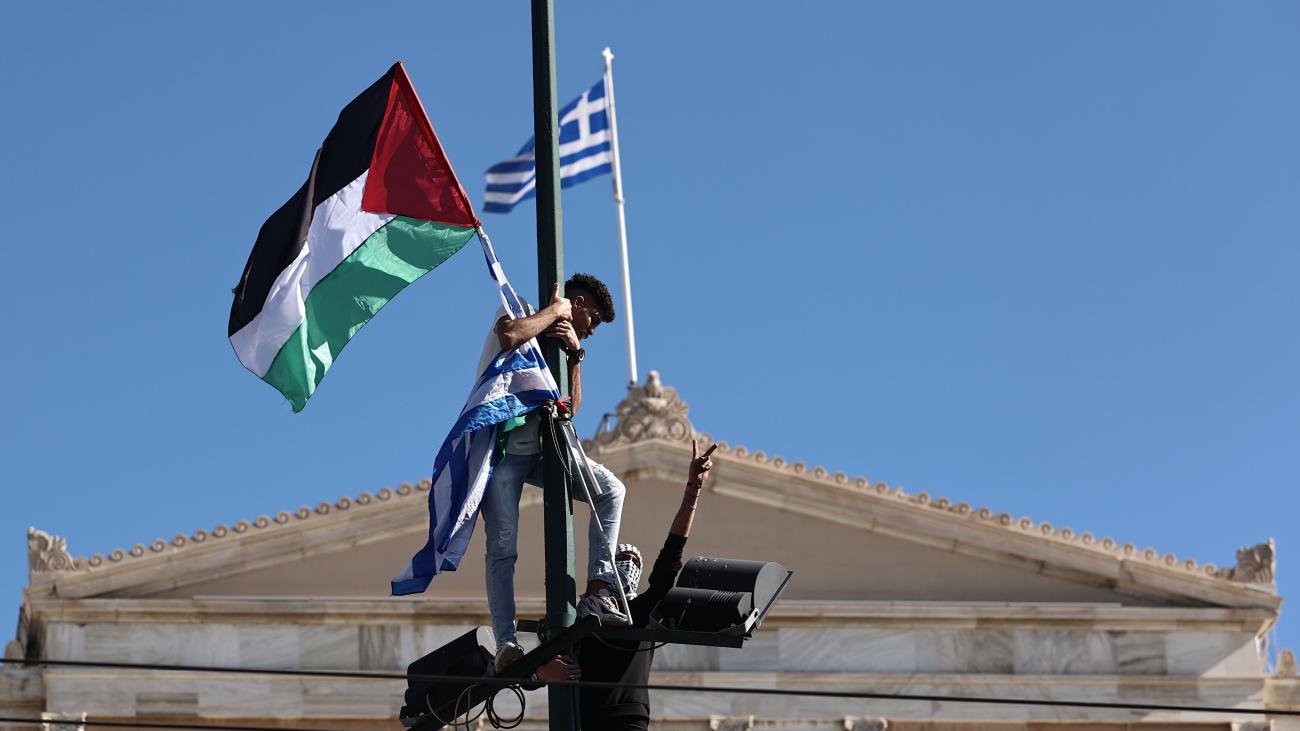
338 228
508 383
591 140
567 171
522 176
494 196
583 165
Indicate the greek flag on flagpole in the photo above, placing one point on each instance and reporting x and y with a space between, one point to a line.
584 153
515 383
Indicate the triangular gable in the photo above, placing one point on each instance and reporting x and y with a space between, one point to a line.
846 538
652 438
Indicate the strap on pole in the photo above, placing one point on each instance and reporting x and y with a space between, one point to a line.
587 478
585 471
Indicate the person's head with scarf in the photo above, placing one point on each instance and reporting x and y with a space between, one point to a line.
627 562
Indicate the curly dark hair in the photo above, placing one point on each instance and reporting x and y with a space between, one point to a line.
595 290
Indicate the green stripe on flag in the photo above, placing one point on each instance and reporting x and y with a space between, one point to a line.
401 252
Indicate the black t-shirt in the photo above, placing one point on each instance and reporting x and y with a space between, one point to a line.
626 661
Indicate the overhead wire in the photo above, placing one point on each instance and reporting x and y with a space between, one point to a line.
153 724
665 687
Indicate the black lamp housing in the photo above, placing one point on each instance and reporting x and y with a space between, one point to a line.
725 596
717 602
469 656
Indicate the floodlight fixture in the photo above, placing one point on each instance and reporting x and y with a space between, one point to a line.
724 596
717 602
432 703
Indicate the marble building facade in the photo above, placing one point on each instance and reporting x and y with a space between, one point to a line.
894 593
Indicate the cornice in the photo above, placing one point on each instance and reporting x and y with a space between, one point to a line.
284 534
786 613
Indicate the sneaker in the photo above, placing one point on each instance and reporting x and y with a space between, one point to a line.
604 606
508 653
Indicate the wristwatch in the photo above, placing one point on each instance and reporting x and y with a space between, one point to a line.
577 355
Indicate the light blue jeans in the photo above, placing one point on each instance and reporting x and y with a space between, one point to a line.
500 508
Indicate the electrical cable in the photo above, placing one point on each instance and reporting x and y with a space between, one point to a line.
613 646
457 712
455 709
667 687
495 719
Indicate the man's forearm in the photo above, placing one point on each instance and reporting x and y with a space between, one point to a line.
511 333
575 383
685 513
695 477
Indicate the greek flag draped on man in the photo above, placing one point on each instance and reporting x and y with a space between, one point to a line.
515 383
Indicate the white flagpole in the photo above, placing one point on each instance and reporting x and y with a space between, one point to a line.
622 220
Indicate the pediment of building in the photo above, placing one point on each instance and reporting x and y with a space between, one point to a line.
847 539
652 439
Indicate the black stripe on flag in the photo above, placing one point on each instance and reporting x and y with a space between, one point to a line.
343 157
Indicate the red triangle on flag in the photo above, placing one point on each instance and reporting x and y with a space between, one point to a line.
409 173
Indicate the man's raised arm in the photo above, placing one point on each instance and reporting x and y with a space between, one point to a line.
669 562
695 476
511 333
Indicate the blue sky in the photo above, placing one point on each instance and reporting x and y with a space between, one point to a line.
1035 256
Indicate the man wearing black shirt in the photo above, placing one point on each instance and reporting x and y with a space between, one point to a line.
627 662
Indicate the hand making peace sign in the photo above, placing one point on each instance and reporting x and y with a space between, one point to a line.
700 465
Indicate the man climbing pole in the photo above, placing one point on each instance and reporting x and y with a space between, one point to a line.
569 319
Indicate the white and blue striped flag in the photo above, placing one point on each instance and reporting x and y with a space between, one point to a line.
515 383
584 153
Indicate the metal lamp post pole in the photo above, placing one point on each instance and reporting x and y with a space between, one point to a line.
561 587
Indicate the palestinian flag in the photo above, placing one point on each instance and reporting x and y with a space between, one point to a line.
380 208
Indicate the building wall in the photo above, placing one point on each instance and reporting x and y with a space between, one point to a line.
1184 656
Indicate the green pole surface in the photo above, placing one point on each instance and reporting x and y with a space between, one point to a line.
557 508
